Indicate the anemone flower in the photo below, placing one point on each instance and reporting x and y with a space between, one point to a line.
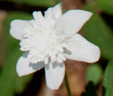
51 39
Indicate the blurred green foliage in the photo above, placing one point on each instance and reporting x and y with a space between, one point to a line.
108 79
94 73
99 32
9 80
45 3
105 5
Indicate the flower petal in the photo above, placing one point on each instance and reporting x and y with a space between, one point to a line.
16 28
55 11
24 67
81 50
54 75
72 21
38 16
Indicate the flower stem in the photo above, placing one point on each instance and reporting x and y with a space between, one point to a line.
67 85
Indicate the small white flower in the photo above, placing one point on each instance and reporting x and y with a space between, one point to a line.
48 40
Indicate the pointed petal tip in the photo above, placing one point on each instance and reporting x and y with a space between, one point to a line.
59 4
90 14
72 21
87 14
21 74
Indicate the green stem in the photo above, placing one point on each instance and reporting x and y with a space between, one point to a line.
67 85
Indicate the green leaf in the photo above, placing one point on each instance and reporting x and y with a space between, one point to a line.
99 33
94 73
105 5
44 3
9 80
90 90
108 79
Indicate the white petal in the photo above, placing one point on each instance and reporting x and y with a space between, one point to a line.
72 21
16 28
38 15
55 11
81 50
54 75
24 67
48 13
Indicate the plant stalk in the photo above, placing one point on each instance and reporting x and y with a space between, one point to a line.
67 85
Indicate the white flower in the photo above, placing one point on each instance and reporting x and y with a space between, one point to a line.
51 39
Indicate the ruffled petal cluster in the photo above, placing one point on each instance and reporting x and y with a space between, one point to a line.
51 39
